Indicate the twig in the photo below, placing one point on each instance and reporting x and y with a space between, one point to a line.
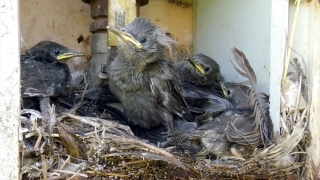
70 172
294 24
44 167
84 91
85 120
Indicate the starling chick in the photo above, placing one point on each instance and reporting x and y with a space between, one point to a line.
201 71
260 126
42 75
143 78
237 94
200 80
213 139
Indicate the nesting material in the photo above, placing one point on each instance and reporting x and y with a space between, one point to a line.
68 146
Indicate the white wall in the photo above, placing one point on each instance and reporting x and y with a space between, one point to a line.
244 24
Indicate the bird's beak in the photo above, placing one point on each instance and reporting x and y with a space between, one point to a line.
223 90
196 65
125 36
70 55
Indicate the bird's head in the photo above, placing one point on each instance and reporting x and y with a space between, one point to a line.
141 41
236 93
52 51
201 70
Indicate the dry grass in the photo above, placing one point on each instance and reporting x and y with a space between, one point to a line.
68 146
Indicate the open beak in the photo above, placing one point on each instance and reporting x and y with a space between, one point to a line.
70 55
196 65
125 36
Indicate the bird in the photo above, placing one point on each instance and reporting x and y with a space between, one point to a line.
237 94
212 138
200 79
202 71
255 128
100 102
248 125
42 72
144 79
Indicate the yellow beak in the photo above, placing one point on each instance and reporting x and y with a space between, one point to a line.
223 90
69 55
196 65
125 36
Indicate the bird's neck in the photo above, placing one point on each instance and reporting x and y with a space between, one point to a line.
124 75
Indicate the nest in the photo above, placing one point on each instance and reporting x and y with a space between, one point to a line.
69 146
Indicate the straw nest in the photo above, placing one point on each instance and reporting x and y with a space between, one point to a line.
68 146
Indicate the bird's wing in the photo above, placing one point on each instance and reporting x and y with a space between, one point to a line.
243 129
259 101
168 93
40 78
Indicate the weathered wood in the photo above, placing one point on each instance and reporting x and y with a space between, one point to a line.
313 65
9 89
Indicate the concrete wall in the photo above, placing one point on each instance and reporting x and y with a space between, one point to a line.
244 24
65 21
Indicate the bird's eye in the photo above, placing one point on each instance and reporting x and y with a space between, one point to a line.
143 40
228 92
56 52
206 69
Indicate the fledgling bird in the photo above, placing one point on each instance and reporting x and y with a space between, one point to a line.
143 78
248 125
257 128
100 102
42 72
201 71
237 94
200 81
212 137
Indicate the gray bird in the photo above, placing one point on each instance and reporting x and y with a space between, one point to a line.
143 78
43 74
212 137
248 126
237 94
200 80
201 71
254 128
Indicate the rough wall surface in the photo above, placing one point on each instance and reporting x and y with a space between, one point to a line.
173 18
9 90
65 21
313 63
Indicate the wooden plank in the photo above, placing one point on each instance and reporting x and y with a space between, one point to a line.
9 89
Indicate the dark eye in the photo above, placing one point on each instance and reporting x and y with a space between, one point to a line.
228 92
143 40
56 52
206 69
